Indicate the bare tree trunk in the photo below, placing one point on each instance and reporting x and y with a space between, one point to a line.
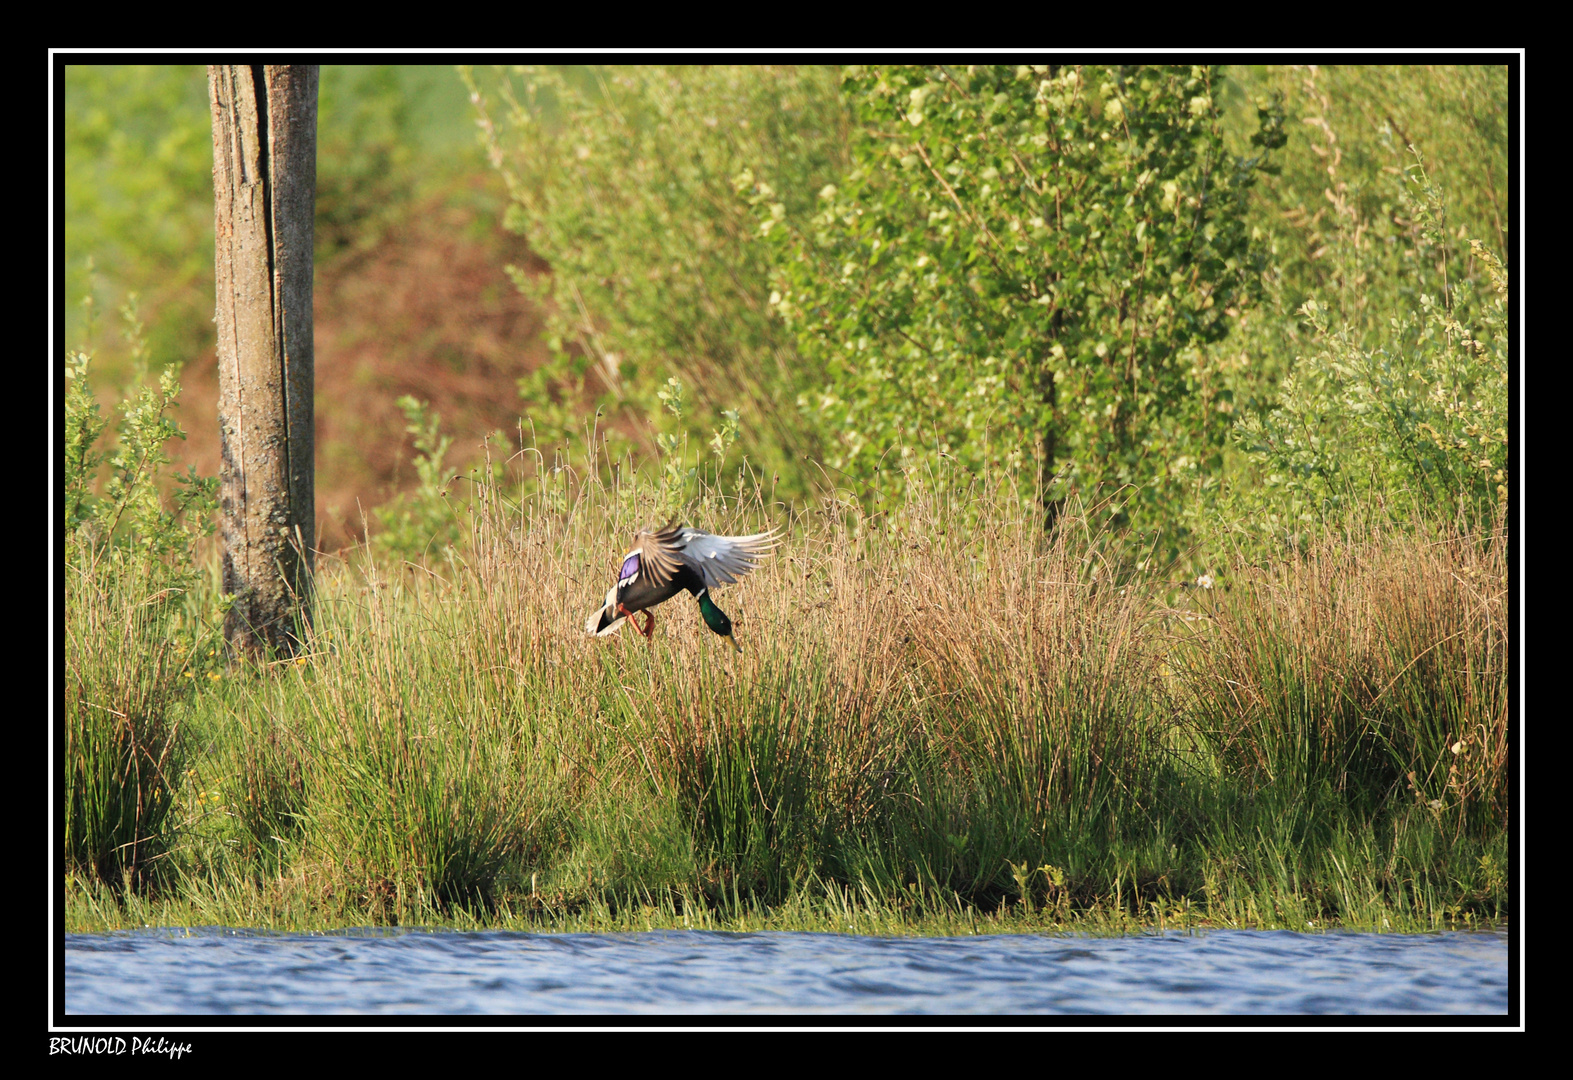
264 194
1052 503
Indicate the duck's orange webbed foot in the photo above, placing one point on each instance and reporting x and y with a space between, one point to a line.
647 629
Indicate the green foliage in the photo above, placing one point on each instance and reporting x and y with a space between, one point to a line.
421 522
83 428
658 270
1415 421
130 511
139 195
1333 216
366 149
1021 262
621 179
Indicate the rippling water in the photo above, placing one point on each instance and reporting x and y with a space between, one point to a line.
415 971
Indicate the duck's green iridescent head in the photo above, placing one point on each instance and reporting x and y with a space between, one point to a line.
715 618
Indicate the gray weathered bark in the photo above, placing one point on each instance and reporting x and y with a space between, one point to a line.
264 194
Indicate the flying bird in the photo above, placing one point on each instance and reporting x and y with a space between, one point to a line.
667 561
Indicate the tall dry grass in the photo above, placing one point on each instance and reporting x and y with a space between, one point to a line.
931 708
1376 663
123 751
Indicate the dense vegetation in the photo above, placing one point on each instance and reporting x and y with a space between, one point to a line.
1142 438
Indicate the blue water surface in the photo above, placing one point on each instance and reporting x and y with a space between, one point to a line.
1231 972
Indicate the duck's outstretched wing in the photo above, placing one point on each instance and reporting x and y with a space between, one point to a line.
718 560
721 560
658 552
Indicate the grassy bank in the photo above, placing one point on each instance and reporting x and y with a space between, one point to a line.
940 722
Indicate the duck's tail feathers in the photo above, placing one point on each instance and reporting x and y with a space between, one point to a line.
599 625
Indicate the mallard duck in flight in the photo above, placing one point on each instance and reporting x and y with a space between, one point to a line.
664 562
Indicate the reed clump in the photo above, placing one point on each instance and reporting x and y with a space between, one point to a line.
123 751
1375 664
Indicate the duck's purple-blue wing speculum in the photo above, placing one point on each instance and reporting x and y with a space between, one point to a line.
630 569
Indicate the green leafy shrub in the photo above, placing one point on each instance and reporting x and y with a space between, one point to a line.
421 522
621 179
1414 423
130 512
1020 263
1333 214
1336 225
